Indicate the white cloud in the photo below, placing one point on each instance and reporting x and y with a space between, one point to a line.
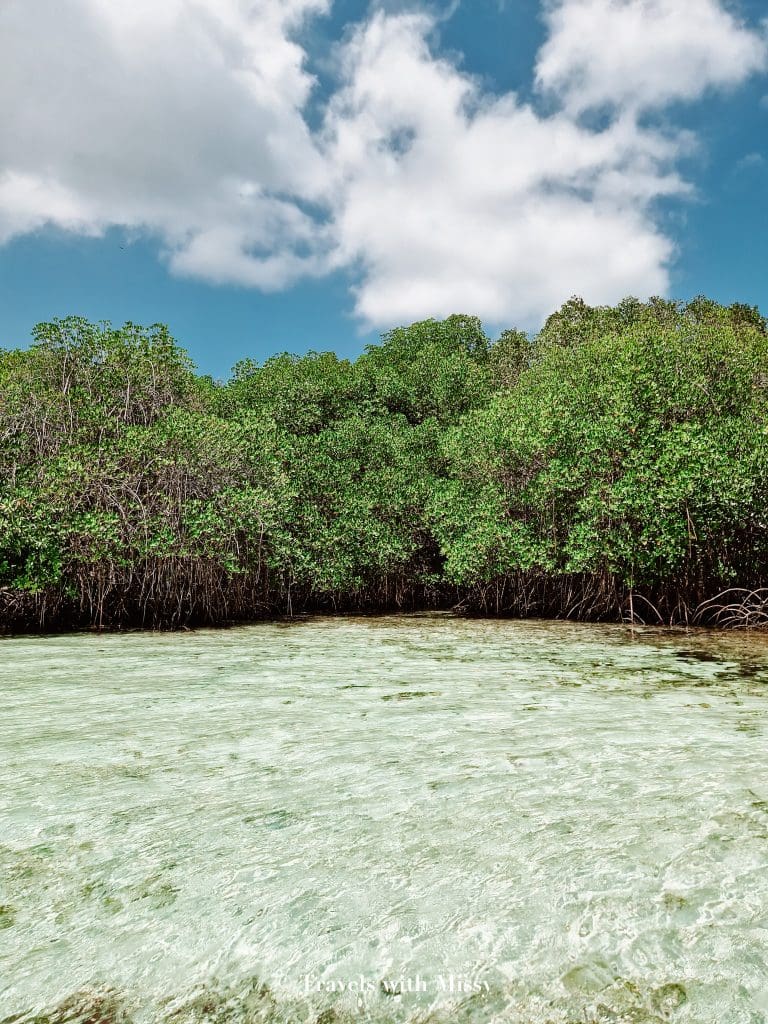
640 54
182 117
452 200
492 207
186 119
750 162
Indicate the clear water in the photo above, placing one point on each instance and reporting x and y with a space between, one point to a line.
405 818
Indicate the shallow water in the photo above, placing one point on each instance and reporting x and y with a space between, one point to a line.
447 820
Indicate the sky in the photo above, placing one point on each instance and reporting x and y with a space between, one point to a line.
286 175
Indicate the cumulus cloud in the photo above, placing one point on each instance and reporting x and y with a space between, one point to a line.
450 199
186 119
641 54
183 118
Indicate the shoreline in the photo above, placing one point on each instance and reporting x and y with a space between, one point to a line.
444 614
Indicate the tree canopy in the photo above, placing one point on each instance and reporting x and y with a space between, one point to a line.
619 458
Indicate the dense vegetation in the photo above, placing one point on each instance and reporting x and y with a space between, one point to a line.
616 465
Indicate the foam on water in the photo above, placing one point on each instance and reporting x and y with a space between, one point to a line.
388 819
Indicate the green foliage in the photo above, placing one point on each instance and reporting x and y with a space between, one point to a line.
623 449
361 488
638 450
433 369
87 381
302 394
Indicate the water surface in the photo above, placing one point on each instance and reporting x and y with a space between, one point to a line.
403 818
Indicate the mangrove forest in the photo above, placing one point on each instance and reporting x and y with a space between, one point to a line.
612 467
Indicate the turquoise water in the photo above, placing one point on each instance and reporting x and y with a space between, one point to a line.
401 818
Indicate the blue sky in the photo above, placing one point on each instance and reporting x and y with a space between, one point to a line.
302 174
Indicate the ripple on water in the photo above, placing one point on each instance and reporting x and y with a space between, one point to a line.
400 819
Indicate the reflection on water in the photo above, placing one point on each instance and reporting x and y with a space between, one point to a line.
404 818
